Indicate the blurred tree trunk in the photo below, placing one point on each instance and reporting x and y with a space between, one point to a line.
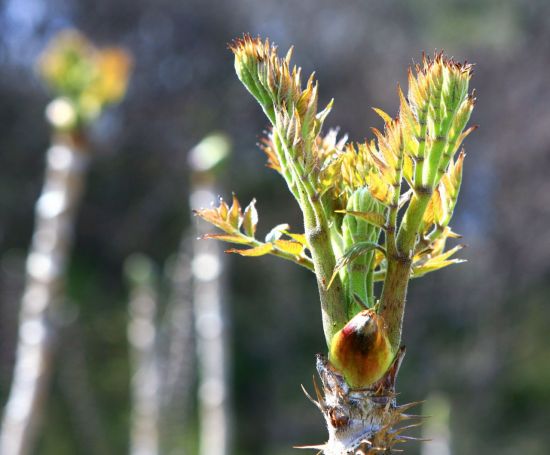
56 209
142 335
210 318
177 352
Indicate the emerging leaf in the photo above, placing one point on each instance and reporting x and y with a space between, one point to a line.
290 247
277 232
262 250
300 238
250 219
434 115
227 238
430 264
235 215
374 218
353 253
219 217
240 228
268 147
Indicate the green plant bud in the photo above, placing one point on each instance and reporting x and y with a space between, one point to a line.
355 229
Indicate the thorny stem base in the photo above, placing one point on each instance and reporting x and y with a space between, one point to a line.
361 421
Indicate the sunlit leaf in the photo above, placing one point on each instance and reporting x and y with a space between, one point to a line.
223 210
290 247
379 257
437 262
386 117
261 250
408 169
235 214
250 219
374 218
268 147
276 233
227 238
379 189
214 217
300 238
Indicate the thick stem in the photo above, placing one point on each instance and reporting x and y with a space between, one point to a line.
333 309
317 232
399 268
394 296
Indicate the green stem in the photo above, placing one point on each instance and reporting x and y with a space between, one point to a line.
285 171
318 235
332 300
393 297
419 158
399 268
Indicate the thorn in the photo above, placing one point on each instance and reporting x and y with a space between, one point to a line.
405 407
320 447
318 392
408 427
316 403
401 438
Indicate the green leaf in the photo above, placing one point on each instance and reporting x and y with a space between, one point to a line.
374 218
353 253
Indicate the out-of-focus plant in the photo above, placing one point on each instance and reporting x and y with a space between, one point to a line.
373 211
84 80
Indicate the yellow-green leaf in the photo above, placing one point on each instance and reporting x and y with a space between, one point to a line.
223 209
290 247
235 215
380 189
250 219
261 250
387 118
300 238
227 238
374 218
213 217
424 266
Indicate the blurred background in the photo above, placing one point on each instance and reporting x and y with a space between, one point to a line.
476 333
